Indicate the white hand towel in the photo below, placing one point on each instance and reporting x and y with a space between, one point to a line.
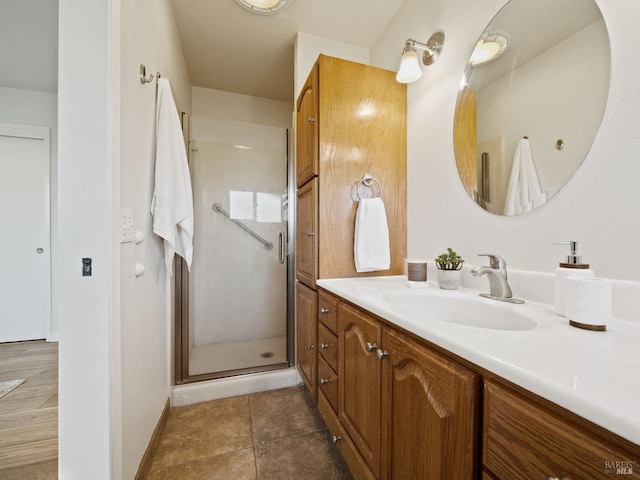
172 203
523 193
371 238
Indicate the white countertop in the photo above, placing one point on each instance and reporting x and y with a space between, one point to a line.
593 374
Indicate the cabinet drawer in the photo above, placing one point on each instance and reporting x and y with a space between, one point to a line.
328 346
328 382
522 440
328 311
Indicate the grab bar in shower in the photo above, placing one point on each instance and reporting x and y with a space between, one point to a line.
216 207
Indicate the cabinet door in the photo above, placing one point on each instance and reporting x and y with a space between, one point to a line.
523 439
429 413
359 382
307 337
307 234
307 129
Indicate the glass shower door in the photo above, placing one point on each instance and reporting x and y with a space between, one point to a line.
237 318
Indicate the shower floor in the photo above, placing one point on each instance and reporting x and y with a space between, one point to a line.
220 357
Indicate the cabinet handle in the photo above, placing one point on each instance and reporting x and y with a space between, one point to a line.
382 353
310 120
310 346
309 234
324 346
324 381
371 347
335 438
324 310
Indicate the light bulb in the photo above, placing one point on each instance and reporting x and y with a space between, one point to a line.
409 70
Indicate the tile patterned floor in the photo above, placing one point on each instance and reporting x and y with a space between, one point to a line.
275 435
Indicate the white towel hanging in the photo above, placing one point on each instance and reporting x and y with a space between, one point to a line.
172 203
371 236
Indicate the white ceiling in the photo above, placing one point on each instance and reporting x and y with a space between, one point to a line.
226 47
229 48
29 44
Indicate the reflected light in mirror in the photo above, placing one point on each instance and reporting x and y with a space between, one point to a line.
410 70
488 49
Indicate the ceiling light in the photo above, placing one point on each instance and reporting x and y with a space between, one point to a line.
410 70
488 49
264 7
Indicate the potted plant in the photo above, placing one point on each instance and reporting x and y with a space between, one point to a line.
449 265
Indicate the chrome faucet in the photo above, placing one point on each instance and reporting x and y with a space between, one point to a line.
498 283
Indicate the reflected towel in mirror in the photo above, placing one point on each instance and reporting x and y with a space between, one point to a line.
524 193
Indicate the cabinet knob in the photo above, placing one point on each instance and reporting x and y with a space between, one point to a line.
382 353
324 310
324 381
324 346
310 346
309 234
310 119
335 438
371 347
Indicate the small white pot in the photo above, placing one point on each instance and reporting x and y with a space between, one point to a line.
449 279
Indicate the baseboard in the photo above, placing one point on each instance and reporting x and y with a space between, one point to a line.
147 457
232 386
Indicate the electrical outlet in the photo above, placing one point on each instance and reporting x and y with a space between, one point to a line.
127 230
87 267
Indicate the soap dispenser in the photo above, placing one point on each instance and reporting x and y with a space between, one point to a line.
573 267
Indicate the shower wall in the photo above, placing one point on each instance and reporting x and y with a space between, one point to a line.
237 286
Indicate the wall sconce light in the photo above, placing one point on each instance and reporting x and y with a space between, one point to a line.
410 70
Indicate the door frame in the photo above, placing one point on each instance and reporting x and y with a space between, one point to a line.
181 293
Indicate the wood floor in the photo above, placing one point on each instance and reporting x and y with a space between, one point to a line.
29 414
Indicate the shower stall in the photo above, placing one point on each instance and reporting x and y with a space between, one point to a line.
233 314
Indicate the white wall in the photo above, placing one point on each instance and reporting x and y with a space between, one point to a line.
28 107
234 107
88 306
308 47
149 36
598 206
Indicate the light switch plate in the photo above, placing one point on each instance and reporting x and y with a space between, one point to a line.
127 230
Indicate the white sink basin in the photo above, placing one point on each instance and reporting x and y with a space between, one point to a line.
461 309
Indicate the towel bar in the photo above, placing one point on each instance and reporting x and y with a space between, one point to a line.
365 185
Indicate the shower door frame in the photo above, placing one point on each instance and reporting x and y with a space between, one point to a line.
181 297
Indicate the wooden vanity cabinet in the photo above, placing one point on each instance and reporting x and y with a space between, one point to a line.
524 439
306 129
429 413
307 233
359 410
350 121
307 336
410 412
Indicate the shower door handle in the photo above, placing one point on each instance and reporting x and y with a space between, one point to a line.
281 253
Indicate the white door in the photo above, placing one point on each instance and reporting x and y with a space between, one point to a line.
25 274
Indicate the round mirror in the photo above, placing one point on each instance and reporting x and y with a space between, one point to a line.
530 103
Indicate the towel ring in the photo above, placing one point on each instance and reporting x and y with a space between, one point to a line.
365 187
